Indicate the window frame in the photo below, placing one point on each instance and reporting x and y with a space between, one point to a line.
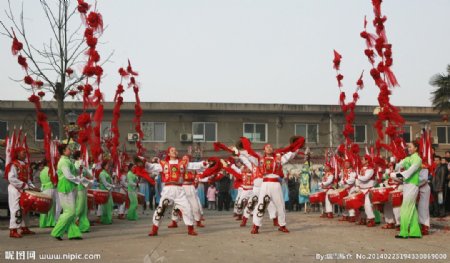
446 133
35 131
204 131
6 132
266 130
307 137
159 122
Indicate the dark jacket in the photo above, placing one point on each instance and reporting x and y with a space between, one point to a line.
224 184
437 181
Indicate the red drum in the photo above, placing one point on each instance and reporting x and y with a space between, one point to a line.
337 196
35 202
100 196
90 201
317 198
118 197
141 198
354 201
396 197
380 195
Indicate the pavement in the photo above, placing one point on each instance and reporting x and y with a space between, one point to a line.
312 239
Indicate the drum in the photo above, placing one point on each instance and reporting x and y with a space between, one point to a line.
90 201
317 198
100 196
396 197
354 201
35 202
118 197
141 198
337 196
380 195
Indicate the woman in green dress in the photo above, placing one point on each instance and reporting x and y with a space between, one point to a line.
132 181
47 187
409 218
67 190
106 184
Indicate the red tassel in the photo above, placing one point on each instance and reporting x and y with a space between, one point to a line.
72 93
95 21
336 60
83 7
69 71
339 78
41 94
38 84
360 82
89 70
220 146
23 62
247 145
17 46
130 69
91 41
28 80
123 72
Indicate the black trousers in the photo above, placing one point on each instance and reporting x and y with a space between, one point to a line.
224 201
437 210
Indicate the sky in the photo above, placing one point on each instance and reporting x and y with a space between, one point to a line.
252 51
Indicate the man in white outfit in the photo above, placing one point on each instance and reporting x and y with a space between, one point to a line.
348 179
364 183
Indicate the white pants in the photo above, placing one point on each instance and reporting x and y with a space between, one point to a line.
193 203
237 201
423 208
368 208
255 193
58 207
350 212
122 208
328 206
274 192
14 209
245 195
175 195
391 214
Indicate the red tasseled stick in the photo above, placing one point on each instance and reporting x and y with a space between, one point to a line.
17 46
220 146
336 60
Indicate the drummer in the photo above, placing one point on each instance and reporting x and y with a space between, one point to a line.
106 184
365 182
67 191
348 178
18 182
327 185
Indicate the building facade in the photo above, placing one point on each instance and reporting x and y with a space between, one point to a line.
195 126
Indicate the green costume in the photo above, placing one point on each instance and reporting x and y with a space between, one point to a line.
132 195
106 184
67 186
409 218
81 203
47 187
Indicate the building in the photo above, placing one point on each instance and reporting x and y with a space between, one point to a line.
197 125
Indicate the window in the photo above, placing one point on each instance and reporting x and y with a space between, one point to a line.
360 134
3 129
154 131
309 131
204 131
407 133
256 132
105 129
443 134
54 127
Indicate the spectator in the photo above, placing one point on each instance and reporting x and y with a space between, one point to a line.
315 188
293 191
437 186
211 195
223 187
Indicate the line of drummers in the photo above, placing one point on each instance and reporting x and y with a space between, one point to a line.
400 192
65 206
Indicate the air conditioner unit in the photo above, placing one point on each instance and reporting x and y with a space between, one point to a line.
435 140
185 137
133 137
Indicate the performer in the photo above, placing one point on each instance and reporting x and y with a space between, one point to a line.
271 166
173 171
409 219
18 178
348 179
123 187
392 214
365 182
327 185
67 190
132 184
423 207
47 187
106 184
81 205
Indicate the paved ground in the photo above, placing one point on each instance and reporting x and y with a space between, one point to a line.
222 240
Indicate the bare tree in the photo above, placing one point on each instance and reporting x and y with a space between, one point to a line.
53 62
